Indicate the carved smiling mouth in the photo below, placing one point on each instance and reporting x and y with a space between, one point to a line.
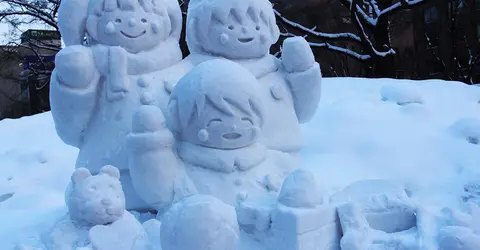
132 36
245 40
232 136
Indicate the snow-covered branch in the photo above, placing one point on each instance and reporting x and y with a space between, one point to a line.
373 20
355 55
312 31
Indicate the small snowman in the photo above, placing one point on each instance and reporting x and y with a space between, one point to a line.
98 82
213 133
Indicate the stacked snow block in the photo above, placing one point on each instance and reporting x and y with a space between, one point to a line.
295 220
316 228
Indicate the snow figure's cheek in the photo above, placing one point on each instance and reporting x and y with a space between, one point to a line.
110 28
255 132
224 38
155 28
263 39
203 135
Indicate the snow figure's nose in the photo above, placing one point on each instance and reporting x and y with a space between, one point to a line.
106 202
132 22
244 30
233 128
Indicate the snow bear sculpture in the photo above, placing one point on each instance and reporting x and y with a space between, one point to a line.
97 218
95 89
215 117
243 31
200 222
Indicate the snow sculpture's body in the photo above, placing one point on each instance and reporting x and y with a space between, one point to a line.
215 117
243 31
200 222
96 89
97 218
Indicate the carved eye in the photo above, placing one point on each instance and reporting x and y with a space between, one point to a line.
247 120
144 20
118 20
257 28
230 27
213 121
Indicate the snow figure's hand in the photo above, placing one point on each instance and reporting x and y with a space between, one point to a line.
103 238
297 56
149 130
75 66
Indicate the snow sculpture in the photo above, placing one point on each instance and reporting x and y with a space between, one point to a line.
243 31
376 213
200 222
281 224
462 230
214 115
95 89
97 218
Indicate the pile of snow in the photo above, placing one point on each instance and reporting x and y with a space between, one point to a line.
418 137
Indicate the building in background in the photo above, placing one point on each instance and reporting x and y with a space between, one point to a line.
25 73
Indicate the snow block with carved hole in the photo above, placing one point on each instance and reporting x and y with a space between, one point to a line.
381 201
296 220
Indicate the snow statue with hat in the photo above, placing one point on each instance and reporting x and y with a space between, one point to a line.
98 82
213 126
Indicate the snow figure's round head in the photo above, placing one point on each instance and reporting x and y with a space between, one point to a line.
135 25
96 200
200 222
215 105
234 29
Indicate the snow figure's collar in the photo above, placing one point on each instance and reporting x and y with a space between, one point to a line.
162 56
221 160
259 67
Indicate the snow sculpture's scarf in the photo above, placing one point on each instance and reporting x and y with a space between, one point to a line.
116 68
222 160
259 67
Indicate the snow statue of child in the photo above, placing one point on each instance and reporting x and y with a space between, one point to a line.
243 31
215 116
95 89
96 217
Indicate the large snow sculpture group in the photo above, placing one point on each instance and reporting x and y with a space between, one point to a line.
186 135
209 142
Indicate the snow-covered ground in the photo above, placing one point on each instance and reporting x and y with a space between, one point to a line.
424 134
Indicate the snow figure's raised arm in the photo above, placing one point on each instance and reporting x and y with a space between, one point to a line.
154 168
303 75
73 92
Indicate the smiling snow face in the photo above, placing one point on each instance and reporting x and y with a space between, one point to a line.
132 26
224 127
240 36
234 29
216 105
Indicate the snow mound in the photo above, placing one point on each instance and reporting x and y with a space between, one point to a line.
200 222
467 129
402 94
